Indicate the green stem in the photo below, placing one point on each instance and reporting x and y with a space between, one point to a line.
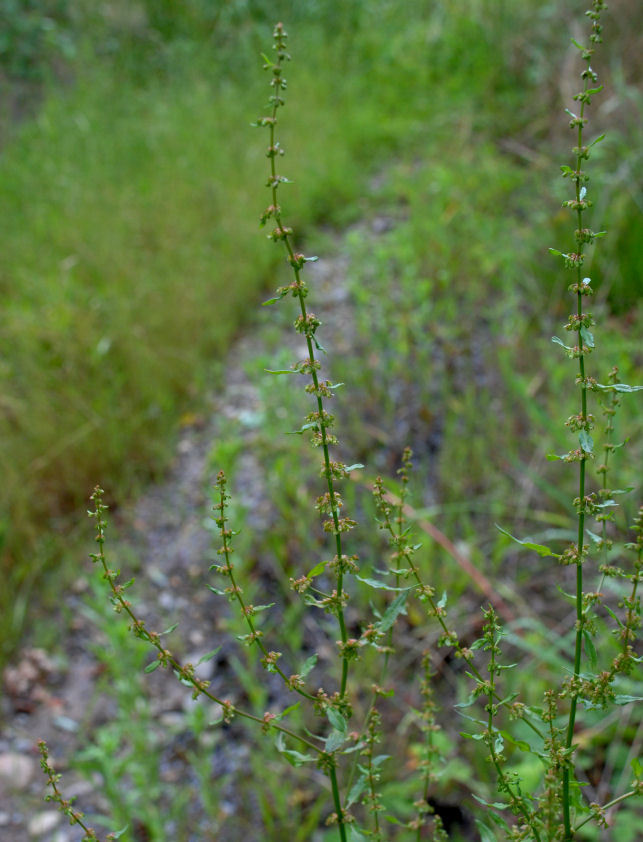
607 806
167 658
568 767
438 614
332 774
518 802
320 407
244 611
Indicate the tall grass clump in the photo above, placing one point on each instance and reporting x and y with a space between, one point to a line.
373 612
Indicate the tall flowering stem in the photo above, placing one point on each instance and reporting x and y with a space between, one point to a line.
580 323
319 422
235 594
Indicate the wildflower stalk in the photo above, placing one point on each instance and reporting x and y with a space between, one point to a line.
610 405
582 423
318 422
307 324
437 609
493 739
427 766
64 805
184 672
234 592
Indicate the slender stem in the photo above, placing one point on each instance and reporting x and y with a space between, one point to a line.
568 767
518 802
439 614
332 774
246 611
165 657
323 426
605 807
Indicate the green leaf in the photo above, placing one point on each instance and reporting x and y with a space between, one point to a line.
308 665
337 720
311 426
170 629
317 569
217 591
275 298
560 342
280 371
618 387
375 583
295 758
208 656
443 600
556 252
578 46
267 60
118 833
355 834
354 467
587 336
625 700
541 549
334 740
600 138
391 614
258 608
586 441
590 649
497 804
284 713
153 666
356 790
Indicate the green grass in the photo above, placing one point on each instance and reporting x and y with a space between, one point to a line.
128 245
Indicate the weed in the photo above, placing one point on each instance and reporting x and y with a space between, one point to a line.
543 794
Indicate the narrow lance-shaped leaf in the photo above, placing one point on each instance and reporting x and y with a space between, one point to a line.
541 549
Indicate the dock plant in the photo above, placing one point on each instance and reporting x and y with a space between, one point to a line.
349 734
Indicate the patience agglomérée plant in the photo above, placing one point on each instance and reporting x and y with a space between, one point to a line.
347 738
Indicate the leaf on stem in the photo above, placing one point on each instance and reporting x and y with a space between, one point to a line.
375 583
391 614
308 666
541 549
208 656
295 758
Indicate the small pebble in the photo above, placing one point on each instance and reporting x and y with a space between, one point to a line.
44 822
16 770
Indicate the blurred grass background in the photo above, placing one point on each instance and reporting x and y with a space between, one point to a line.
129 250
